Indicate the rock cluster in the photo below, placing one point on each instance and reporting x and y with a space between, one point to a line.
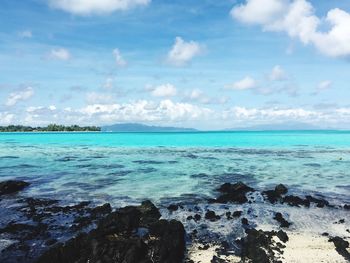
12 186
129 235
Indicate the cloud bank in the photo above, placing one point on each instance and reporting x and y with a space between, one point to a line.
95 7
298 20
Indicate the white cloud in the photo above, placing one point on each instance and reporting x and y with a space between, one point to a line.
22 95
25 34
197 95
167 112
243 84
143 111
60 54
6 118
323 85
297 18
119 60
99 98
277 74
166 90
183 52
99 7
259 11
272 115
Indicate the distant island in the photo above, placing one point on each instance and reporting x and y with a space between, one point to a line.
137 127
49 128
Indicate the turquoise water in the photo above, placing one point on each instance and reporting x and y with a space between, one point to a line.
127 167
186 139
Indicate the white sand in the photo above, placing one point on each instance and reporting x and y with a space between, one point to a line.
308 248
301 248
205 256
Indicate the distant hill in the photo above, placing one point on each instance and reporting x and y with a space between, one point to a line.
137 127
293 126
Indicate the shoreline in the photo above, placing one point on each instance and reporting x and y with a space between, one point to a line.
213 229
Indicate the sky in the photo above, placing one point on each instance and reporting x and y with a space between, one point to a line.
205 64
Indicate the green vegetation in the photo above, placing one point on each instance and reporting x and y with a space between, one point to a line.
49 128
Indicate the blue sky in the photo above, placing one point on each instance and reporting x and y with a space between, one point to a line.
205 64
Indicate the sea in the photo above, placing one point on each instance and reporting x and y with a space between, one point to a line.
126 168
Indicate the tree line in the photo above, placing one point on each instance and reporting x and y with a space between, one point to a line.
49 128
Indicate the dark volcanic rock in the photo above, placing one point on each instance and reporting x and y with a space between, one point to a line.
275 195
341 247
101 210
211 216
245 221
258 247
296 201
237 213
282 236
12 186
271 196
283 222
216 259
281 189
169 246
237 187
149 213
197 217
319 202
173 207
235 193
116 239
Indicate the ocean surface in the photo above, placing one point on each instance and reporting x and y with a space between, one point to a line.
124 168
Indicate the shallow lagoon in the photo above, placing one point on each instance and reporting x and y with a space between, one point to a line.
127 167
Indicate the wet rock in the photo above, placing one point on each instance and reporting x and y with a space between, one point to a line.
12 186
319 202
211 216
341 221
237 187
125 220
101 210
258 247
271 196
216 259
347 207
296 201
50 242
283 222
281 189
149 213
245 221
341 246
234 193
116 239
282 236
197 217
173 207
275 195
204 247
237 213
170 244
